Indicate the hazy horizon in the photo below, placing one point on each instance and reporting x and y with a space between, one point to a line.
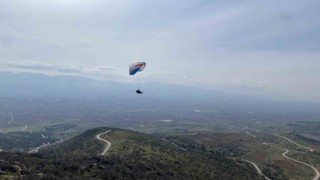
265 47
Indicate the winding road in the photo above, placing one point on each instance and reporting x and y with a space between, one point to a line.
316 177
23 129
174 144
258 169
291 141
108 144
304 147
36 150
250 134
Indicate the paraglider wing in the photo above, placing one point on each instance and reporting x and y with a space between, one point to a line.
134 68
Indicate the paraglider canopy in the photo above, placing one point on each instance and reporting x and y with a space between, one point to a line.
135 67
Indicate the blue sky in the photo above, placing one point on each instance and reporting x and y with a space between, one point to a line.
271 46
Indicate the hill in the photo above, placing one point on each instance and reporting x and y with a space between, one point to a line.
132 155
24 141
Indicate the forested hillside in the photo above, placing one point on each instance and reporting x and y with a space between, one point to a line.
132 156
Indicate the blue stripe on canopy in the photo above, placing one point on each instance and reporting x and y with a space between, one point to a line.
134 71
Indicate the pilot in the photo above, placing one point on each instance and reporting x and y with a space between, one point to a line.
139 91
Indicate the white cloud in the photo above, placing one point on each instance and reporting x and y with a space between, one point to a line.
100 72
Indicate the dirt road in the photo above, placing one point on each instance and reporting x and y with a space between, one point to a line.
257 168
108 144
316 177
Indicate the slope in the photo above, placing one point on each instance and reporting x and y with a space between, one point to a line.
136 155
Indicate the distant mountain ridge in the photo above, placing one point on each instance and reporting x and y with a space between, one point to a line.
39 85
30 85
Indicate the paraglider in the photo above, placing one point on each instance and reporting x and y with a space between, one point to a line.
134 68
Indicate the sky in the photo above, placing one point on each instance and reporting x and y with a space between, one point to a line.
266 46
